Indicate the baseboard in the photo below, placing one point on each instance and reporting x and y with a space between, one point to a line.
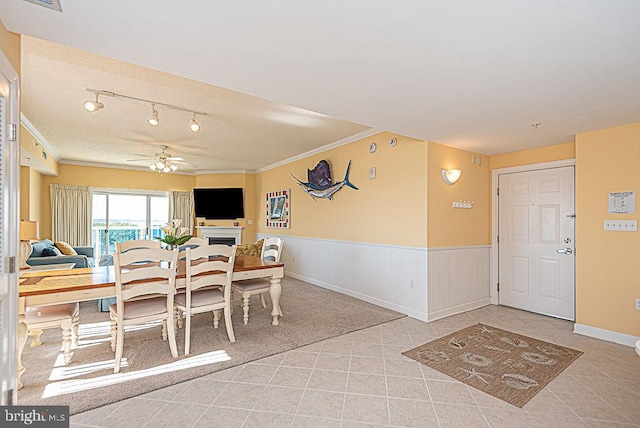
394 307
608 335
443 313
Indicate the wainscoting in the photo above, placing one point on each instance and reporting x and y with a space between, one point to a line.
394 277
458 280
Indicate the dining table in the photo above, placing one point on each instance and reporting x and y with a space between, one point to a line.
41 288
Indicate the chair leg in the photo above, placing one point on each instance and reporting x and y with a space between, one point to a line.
245 308
216 319
264 304
227 321
113 335
187 334
172 336
164 329
66 340
34 335
119 346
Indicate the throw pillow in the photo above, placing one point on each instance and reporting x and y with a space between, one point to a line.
51 252
66 249
254 249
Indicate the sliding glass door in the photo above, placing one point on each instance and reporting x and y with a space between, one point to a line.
119 217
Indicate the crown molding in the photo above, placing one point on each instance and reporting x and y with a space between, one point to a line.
344 141
114 166
224 171
43 141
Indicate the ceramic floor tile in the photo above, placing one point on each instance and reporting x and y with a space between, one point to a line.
279 399
267 420
554 419
201 392
371 365
177 414
592 407
363 383
300 359
96 415
291 376
455 415
501 418
222 417
333 362
328 380
256 373
367 349
449 392
240 395
406 387
412 413
310 422
366 408
405 368
168 393
134 412
322 404
333 347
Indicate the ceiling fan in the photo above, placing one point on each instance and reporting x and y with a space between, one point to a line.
163 161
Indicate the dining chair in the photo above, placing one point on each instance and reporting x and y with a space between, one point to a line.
271 250
145 289
208 276
64 316
123 246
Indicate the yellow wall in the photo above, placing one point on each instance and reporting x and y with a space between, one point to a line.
10 45
607 263
539 155
390 209
108 178
448 226
246 181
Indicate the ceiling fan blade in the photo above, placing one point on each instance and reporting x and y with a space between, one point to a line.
140 160
176 158
185 163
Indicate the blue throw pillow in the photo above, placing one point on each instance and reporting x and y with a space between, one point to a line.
50 252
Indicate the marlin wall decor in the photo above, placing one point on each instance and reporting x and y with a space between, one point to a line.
319 184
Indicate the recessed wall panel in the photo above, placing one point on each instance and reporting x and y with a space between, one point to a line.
549 220
549 278
520 274
520 223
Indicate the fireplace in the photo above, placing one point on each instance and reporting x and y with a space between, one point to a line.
229 235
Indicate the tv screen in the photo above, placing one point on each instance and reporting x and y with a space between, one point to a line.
219 204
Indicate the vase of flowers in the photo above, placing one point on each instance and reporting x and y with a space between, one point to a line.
174 234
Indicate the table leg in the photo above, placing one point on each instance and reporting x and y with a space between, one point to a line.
22 340
275 289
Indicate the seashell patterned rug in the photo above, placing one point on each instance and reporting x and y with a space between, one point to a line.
506 365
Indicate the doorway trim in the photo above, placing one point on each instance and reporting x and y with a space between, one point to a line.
495 174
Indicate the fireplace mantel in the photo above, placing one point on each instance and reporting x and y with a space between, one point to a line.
222 232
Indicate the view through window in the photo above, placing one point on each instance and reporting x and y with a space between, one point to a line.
119 217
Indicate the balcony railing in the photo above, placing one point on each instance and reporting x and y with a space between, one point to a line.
118 234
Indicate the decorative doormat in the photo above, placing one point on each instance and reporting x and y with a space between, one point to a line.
506 365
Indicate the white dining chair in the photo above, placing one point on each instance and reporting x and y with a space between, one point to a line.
64 316
209 272
145 290
124 246
271 250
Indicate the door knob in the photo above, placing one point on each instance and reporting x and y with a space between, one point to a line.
566 251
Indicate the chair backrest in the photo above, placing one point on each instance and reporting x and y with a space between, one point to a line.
121 247
272 249
194 242
209 265
144 271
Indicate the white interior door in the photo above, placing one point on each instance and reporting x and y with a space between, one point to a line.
536 241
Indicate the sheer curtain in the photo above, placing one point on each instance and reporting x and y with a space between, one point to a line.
71 214
181 207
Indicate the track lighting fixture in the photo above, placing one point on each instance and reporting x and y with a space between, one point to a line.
194 125
153 119
92 106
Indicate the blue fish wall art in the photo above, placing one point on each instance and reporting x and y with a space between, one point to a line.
319 183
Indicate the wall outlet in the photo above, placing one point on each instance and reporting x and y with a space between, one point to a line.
250 222
621 225
411 284
637 304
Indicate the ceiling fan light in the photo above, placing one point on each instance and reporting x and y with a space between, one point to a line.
160 165
153 167
174 167
194 125
166 169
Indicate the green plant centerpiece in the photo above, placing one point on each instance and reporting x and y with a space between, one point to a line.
174 234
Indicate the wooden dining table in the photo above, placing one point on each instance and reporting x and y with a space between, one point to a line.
41 288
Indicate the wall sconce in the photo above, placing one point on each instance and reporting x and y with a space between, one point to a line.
450 176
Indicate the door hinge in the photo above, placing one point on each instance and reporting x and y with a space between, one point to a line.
12 264
498 286
13 132
498 191
571 215
497 239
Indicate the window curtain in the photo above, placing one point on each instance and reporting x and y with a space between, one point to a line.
71 214
181 207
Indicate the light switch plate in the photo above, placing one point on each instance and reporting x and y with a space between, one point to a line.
621 225
372 172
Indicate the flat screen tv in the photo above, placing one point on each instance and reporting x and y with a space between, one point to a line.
219 204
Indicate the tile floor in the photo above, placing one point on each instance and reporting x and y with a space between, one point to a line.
361 379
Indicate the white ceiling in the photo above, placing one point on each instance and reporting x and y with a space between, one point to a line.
470 74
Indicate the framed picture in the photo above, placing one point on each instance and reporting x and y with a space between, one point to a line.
277 209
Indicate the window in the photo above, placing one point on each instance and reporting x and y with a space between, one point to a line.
123 216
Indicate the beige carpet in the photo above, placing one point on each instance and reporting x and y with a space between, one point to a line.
506 365
311 314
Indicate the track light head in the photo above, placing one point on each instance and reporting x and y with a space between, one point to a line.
92 106
153 120
194 125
